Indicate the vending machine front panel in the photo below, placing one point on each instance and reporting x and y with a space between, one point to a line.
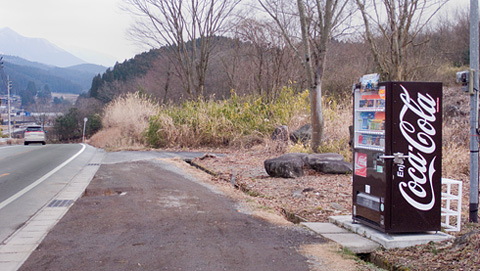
417 140
397 171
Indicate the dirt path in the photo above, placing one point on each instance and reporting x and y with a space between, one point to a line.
144 216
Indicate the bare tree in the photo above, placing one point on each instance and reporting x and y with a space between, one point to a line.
261 63
318 22
393 28
452 31
187 29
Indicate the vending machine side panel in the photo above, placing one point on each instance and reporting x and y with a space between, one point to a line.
388 152
417 163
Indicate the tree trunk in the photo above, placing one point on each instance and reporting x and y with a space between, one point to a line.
317 116
314 82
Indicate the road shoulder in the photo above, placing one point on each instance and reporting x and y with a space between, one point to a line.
17 248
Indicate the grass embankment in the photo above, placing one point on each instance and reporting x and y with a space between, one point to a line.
238 121
134 121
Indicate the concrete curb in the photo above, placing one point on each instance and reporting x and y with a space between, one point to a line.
25 240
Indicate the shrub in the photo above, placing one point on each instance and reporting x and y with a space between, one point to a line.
124 122
223 123
68 127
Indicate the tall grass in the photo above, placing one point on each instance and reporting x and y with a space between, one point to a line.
236 121
456 155
338 116
124 121
135 121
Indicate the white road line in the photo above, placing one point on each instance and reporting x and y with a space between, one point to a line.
39 181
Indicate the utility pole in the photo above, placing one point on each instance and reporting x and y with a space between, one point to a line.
8 105
84 125
474 65
2 78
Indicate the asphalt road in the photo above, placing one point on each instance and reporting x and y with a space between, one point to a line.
147 214
32 175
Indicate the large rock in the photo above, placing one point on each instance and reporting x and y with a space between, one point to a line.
280 133
302 135
335 167
286 166
316 160
291 165
329 163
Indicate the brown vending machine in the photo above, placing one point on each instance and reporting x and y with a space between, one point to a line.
397 156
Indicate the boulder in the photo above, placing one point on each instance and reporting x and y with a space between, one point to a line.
302 135
280 133
335 167
329 163
316 160
286 166
291 165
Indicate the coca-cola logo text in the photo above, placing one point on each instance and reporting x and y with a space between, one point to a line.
420 170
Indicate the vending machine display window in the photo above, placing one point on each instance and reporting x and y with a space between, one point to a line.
370 119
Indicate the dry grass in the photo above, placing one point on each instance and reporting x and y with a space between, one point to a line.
238 121
124 122
11 141
126 119
337 119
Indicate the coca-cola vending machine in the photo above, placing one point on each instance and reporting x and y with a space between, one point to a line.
397 155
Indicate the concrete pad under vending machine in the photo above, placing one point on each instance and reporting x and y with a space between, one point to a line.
389 241
349 240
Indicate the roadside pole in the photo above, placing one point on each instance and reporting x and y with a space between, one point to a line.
474 136
8 105
84 125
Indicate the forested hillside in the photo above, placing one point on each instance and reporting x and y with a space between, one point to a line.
75 79
261 57
250 62
106 86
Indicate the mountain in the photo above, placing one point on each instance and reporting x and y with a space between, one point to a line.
75 79
92 56
35 49
89 68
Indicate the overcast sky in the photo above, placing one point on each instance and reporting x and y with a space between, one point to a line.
97 25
